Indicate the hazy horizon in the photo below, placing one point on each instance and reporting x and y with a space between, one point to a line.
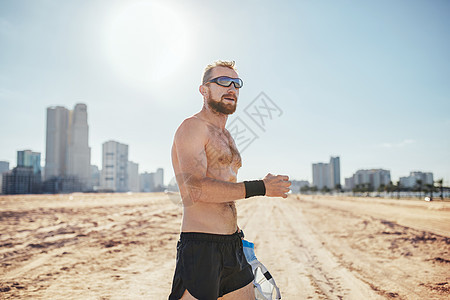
368 82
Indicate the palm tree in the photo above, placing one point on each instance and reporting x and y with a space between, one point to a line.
370 188
338 188
430 187
325 190
355 189
398 189
381 188
419 187
304 189
441 187
390 188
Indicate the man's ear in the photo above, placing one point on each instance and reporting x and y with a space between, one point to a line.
203 90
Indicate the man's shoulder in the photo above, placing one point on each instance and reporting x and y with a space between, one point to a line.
193 122
192 126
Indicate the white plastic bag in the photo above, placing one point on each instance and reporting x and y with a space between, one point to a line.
264 283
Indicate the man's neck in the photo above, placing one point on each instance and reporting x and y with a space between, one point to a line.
217 119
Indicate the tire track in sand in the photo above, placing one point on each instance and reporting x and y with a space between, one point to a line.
107 231
285 244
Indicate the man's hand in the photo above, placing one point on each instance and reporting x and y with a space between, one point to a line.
276 185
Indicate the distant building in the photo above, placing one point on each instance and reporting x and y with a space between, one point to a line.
381 178
159 180
4 167
21 180
371 179
321 172
62 185
115 167
56 141
26 177
173 186
349 183
133 177
146 182
67 151
327 174
78 150
95 177
413 178
28 158
296 185
152 182
335 172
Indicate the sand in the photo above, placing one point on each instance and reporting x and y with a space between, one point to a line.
123 246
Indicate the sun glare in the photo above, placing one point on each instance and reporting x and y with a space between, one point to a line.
146 42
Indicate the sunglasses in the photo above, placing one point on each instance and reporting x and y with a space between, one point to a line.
227 81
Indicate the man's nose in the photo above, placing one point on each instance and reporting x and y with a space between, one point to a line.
232 88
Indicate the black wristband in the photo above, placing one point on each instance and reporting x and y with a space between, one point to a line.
254 188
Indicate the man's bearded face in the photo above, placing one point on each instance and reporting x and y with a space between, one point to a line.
226 105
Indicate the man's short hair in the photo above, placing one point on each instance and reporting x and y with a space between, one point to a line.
218 63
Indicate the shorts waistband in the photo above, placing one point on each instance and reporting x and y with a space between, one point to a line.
209 237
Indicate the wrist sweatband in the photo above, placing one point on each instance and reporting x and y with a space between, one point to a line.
254 188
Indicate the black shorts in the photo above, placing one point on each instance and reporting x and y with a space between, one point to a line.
209 266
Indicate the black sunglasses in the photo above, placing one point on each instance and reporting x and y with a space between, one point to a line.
227 81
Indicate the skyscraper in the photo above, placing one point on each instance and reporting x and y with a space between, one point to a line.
68 154
133 177
321 173
327 175
78 151
56 142
115 167
335 172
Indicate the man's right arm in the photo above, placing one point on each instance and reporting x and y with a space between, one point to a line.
189 144
189 148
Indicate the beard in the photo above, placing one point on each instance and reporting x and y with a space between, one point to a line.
221 106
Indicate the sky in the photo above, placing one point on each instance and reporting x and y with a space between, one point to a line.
368 81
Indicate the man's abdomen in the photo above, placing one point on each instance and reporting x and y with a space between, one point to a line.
218 218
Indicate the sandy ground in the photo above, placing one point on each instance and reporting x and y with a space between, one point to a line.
120 246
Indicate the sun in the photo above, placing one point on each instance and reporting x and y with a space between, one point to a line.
146 42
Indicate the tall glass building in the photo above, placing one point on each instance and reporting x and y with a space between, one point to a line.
28 158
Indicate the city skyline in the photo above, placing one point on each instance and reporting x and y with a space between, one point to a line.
323 174
367 82
67 165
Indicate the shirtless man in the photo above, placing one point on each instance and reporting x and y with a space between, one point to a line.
210 260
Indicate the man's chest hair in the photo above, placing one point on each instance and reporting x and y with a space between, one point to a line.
221 148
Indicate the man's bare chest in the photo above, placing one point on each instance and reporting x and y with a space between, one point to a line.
221 150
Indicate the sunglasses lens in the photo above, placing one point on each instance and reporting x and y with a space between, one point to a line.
238 83
224 81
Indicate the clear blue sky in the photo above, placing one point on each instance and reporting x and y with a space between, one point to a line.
368 81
